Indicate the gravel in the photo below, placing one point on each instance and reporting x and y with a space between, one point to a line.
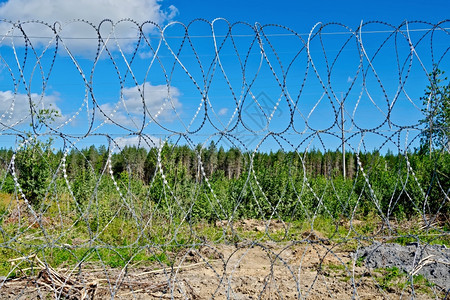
431 261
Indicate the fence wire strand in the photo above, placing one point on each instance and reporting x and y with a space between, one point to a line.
224 160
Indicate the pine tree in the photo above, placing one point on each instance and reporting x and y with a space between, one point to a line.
437 112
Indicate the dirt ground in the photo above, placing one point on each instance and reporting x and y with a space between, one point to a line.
310 270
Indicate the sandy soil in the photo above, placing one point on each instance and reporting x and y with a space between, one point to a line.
307 270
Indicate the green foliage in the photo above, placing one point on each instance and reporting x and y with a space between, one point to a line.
390 276
33 165
280 185
395 279
7 184
437 112
83 187
35 160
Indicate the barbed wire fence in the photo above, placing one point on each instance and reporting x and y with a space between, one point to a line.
228 160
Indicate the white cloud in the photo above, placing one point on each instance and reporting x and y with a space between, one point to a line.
161 103
173 12
15 107
94 11
222 111
146 142
145 54
350 79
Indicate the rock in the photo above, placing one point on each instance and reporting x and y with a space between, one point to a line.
431 261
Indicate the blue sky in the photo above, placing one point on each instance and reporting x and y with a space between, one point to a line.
174 98
302 15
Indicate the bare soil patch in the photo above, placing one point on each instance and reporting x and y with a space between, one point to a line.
268 270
